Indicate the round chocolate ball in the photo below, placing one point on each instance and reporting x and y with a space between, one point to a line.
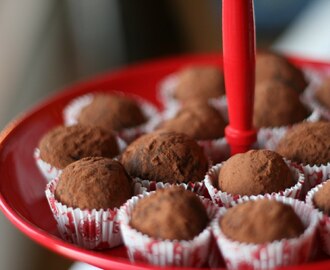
261 221
112 111
94 183
64 145
171 213
255 172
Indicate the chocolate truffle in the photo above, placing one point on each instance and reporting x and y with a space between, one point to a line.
255 172
94 183
322 198
261 221
307 143
171 213
112 111
322 94
272 66
64 145
200 121
277 104
201 82
165 157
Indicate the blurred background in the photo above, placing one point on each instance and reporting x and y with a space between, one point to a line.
47 44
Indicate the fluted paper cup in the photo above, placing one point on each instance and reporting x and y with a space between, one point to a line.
224 199
140 247
324 226
274 254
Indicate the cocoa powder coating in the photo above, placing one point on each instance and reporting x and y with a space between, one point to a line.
94 183
255 172
172 213
307 143
64 145
277 104
272 66
260 222
199 82
112 111
165 157
322 198
200 121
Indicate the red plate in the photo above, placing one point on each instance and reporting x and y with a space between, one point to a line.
22 187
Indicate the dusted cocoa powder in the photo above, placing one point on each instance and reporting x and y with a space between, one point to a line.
307 143
199 120
64 145
165 157
172 213
261 221
255 172
94 183
272 66
112 111
277 104
199 82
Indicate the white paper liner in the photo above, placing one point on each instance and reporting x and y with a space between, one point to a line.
73 109
50 172
149 186
166 90
140 247
225 199
324 225
91 229
270 255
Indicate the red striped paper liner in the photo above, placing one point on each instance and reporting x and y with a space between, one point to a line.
324 226
140 247
90 229
274 254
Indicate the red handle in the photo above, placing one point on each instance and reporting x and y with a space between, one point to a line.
239 69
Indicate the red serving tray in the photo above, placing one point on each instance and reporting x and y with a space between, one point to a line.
22 187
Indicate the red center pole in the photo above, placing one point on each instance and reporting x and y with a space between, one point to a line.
238 33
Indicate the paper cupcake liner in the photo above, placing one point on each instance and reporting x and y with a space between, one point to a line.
225 199
270 255
314 175
91 229
166 90
140 247
148 186
324 225
50 172
73 109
